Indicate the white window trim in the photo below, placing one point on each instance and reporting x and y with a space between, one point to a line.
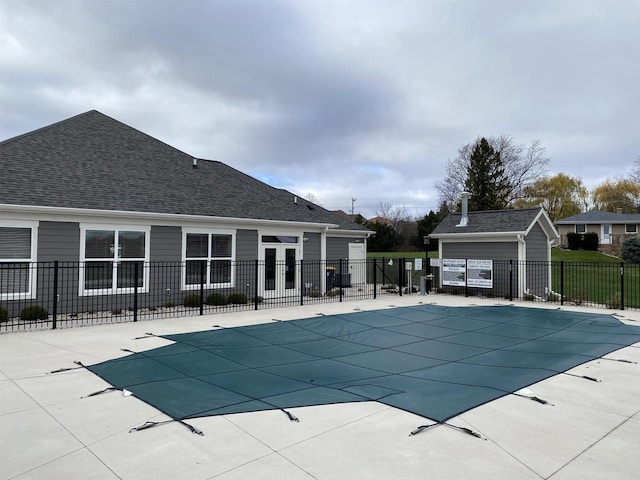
33 225
146 229
209 232
575 227
635 232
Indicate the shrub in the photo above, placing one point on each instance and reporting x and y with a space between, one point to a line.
34 312
590 241
578 297
217 299
192 301
4 316
574 240
237 299
116 311
614 302
170 304
631 250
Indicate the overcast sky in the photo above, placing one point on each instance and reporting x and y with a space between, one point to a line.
336 99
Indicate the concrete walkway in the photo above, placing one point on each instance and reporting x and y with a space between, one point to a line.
48 430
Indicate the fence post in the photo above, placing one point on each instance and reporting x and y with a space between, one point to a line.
55 294
400 274
511 280
375 277
621 285
256 271
561 282
383 272
466 280
340 277
202 273
136 274
302 287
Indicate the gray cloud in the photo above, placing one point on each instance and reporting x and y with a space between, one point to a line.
358 99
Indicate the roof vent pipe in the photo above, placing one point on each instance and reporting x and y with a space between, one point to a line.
464 220
195 163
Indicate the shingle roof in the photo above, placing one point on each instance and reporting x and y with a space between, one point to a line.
92 161
598 216
490 221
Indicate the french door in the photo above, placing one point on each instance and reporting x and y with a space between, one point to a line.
280 272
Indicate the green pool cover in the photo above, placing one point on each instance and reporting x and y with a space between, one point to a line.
430 360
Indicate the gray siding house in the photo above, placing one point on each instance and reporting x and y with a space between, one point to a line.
95 191
612 228
523 237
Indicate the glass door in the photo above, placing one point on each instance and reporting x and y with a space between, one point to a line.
280 272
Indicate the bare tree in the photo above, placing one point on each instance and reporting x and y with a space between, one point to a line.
635 171
523 165
393 213
313 199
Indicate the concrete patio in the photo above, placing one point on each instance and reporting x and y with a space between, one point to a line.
50 429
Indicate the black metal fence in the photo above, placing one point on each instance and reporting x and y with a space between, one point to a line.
614 285
65 294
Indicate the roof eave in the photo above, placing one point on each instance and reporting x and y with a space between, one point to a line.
175 218
476 234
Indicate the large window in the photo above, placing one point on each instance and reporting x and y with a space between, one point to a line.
631 228
17 252
208 258
113 259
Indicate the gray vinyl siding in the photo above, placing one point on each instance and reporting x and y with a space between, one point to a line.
165 271
312 246
481 250
537 275
500 252
58 241
165 244
313 269
338 248
246 245
537 246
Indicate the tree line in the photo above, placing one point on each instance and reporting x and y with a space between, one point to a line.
501 174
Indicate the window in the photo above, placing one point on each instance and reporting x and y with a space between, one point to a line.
581 228
631 228
112 258
279 239
208 257
17 252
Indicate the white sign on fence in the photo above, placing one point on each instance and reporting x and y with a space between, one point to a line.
453 272
480 273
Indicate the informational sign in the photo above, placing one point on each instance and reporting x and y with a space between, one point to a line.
434 262
454 272
480 273
417 264
408 266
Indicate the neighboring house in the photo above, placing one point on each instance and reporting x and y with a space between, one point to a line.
523 236
612 228
381 220
95 191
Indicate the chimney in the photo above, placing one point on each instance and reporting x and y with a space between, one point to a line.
464 220
195 163
618 209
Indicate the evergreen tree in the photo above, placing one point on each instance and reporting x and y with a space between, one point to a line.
384 238
486 180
